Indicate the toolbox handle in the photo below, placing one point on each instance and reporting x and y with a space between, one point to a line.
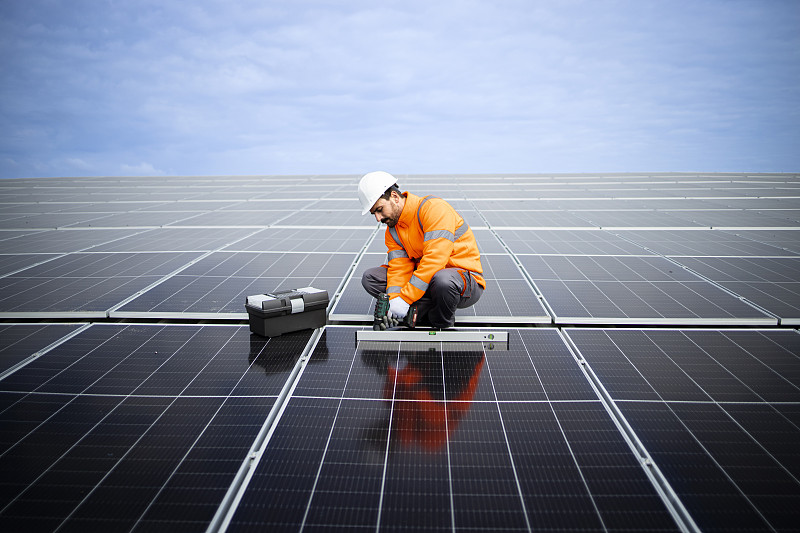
290 299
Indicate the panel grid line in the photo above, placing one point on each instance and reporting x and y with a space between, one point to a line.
771 405
35 391
238 486
43 351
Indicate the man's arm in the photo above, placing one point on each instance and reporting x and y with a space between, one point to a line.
439 225
400 267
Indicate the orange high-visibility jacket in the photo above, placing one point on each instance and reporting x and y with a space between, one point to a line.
429 236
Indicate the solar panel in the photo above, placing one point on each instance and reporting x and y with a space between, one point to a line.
6 235
13 263
84 284
177 240
305 240
738 218
323 218
771 283
51 221
8 210
640 219
223 219
193 206
700 243
571 242
784 241
132 412
630 290
96 207
757 203
535 219
385 431
709 406
218 284
136 219
635 204
266 203
65 241
115 427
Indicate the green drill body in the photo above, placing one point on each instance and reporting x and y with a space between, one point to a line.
381 310
381 320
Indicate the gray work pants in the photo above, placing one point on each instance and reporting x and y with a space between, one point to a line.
449 289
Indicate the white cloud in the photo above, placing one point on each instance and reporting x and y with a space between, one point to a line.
76 163
142 169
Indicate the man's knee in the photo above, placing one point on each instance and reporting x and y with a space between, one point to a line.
445 283
374 280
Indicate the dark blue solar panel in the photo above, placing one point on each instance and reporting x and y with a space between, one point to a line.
710 408
135 426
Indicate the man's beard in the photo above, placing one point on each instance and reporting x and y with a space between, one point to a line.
390 219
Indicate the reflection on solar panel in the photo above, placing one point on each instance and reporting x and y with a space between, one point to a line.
658 391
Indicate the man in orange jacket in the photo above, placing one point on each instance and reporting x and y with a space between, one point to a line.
433 257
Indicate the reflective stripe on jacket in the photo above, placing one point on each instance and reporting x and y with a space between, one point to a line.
429 236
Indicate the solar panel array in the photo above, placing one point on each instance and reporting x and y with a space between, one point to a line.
651 381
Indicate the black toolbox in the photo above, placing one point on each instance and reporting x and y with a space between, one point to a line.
279 312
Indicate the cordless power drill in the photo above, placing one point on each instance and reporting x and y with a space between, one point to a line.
381 319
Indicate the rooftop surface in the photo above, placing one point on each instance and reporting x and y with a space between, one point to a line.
651 380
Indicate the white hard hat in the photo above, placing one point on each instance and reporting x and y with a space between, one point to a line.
372 186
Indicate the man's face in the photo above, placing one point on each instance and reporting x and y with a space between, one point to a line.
387 211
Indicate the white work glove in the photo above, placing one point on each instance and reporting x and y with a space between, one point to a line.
398 308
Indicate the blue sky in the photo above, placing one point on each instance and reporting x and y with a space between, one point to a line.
221 87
